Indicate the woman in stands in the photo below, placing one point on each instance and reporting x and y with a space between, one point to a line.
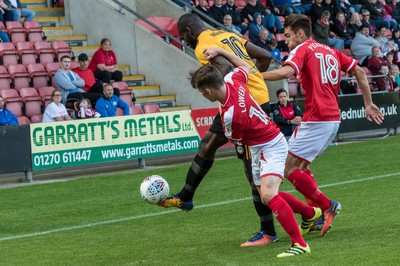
55 111
104 63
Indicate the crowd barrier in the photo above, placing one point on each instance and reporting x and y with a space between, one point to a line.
41 146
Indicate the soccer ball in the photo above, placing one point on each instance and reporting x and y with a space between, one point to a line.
154 189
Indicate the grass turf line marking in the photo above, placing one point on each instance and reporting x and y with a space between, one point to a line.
175 210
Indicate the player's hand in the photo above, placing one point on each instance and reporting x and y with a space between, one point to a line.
374 114
211 52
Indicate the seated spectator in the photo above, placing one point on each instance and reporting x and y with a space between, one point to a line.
386 83
92 84
86 110
230 9
389 57
348 86
270 21
362 44
255 27
272 48
366 16
354 24
395 74
70 84
332 7
346 8
396 37
376 60
263 39
316 11
228 24
286 7
15 11
203 9
216 11
3 8
339 27
287 115
104 63
107 105
376 14
6 117
55 111
322 32
384 42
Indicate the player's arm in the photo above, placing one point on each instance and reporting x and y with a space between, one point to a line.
371 110
262 56
213 52
281 73
224 66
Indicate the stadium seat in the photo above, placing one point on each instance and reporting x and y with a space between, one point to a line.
37 119
45 94
2 27
5 79
293 87
136 110
33 31
19 76
39 75
61 48
8 54
51 70
44 52
74 64
280 37
347 52
120 112
168 24
125 92
27 54
23 120
151 108
16 31
32 101
12 101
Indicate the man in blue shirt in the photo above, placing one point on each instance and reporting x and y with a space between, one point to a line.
6 117
107 105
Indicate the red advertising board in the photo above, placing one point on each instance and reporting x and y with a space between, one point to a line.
203 119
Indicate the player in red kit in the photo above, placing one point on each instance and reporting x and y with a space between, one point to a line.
244 120
318 67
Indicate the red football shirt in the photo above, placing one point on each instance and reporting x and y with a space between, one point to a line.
318 67
242 117
102 57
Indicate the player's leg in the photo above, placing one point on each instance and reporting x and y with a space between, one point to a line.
310 140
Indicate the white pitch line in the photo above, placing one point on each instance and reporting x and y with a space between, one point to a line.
63 229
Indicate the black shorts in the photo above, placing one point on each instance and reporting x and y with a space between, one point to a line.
217 128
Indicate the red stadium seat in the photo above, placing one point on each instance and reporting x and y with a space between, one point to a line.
120 112
74 64
27 54
280 37
19 76
16 31
45 52
169 25
34 31
61 48
125 92
293 87
39 75
12 101
8 54
5 79
32 100
347 52
51 70
136 110
45 94
151 108
23 120
37 119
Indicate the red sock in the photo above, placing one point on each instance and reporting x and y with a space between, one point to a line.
307 186
308 200
285 217
298 206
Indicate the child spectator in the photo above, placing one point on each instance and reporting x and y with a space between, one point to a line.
395 76
6 117
385 83
275 52
86 110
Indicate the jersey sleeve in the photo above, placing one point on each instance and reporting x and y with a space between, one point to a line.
233 129
296 59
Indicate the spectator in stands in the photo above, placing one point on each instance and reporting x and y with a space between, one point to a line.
332 7
354 24
345 7
16 11
362 44
70 84
286 8
316 11
7 118
4 36
217 12
395 6
376 60
395 74
366 16
383 40
377 15
3 8
203 9
107 105
274 51
255 27
386 83
306 6
228 24
104 63
56 110
348 86
340 27
322 32
92 85
86 110
396 37
263 39
230 9
270 21
287 115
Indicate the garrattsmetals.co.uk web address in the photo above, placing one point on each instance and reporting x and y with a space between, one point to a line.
149 148
360 113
